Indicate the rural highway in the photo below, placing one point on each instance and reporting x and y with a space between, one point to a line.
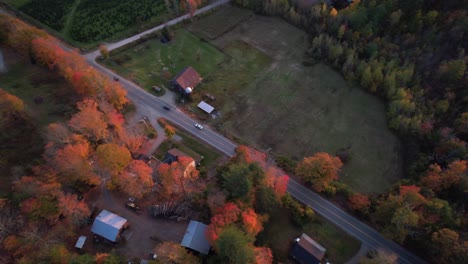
349 224
343 220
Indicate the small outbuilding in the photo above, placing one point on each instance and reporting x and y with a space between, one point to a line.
108 225
306 251
80 242
205 107
188 78
195 238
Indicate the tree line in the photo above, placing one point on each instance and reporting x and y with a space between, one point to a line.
411 54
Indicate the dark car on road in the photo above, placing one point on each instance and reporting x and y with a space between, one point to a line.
166 107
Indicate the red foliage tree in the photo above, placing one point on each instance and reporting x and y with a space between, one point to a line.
226 215
252 222
359 202
263 255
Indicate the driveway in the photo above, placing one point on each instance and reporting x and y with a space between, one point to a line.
142 227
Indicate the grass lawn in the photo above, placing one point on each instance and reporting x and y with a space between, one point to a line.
30 82
190 146
145 63
280 232
297 111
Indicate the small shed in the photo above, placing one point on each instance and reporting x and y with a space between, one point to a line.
195 238
205 107
188 77
306 251
108 225
80 242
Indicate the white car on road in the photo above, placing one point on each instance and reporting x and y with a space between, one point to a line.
198 126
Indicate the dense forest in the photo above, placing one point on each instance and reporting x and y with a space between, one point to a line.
413 55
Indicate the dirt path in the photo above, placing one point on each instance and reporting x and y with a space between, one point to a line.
71 15
361 253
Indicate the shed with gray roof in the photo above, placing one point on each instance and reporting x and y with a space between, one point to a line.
108 225
195 238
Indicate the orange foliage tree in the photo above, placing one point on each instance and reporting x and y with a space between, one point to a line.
252 222
226 215
180 177
136 180
319 170
72 161
263 255
78 211
89 121
438 179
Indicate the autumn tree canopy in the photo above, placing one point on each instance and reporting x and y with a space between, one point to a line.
170 252
319 170
113 157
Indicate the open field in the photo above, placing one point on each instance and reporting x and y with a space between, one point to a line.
298 111
266 98
145 63
280 232
48 97
86 22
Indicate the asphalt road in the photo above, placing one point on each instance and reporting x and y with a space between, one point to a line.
345 221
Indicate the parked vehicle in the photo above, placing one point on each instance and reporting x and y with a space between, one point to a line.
134 207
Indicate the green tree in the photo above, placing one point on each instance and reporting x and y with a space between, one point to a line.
234 247
237 180
265 200
113 157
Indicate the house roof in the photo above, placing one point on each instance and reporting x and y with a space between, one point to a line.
108 225
195 238
80 242
188 77
306 250
205 107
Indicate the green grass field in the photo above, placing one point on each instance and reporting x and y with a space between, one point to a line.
280 232
146 62
297 111
266 98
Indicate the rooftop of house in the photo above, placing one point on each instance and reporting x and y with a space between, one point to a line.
306 250
188 77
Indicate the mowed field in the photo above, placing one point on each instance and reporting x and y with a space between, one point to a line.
146 63
297 111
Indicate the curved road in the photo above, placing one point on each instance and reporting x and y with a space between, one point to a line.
345 221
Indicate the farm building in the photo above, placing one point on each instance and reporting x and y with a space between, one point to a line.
195 239
205 107
108 225
186 80
306 251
